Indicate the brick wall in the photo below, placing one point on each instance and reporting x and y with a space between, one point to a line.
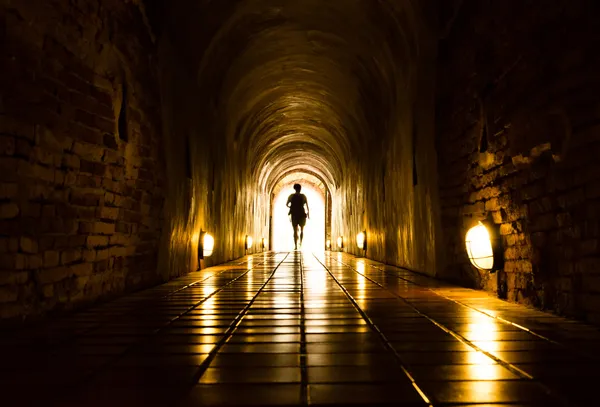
518 140
81 188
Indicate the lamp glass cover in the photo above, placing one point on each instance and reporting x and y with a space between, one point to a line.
479 247
360 240
208 245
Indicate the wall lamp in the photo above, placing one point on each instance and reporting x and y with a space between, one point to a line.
206 245
484 246
361 240
248 243
340 242
328 244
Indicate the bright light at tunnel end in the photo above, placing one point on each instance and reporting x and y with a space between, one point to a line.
282 239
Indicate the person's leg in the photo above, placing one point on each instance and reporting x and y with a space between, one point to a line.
295 226
302 223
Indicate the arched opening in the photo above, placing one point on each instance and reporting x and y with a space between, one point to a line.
315 231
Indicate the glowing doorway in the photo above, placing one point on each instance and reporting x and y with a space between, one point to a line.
314 231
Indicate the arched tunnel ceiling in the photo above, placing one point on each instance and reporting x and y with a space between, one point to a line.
306 84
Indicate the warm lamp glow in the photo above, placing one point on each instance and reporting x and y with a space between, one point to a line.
328 244
249 242
479 247
206 245
340 242
361 240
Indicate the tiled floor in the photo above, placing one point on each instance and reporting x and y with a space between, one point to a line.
292 328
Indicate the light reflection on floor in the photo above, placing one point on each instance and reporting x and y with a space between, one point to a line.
247 333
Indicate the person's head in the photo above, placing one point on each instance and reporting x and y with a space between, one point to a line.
297 187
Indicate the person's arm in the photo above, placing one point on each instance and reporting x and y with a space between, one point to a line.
307 208
289 201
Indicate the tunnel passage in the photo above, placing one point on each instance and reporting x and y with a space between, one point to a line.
341 91
128 128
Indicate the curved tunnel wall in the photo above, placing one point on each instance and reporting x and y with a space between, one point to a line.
343 90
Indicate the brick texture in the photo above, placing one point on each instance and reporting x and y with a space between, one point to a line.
518 141
73 226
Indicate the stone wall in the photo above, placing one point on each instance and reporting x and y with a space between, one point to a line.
210 187
390 188
81 172
518 141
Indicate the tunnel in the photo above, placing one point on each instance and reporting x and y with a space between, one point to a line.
448 151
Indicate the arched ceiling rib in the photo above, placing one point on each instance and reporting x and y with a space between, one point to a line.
305 84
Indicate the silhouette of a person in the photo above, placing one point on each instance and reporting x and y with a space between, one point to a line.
296 204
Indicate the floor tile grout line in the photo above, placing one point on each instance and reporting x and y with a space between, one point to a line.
305 399
127 351
374 327
503 320
71 339
459 337
194 283
232 327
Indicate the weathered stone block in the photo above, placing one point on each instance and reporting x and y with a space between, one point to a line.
89 255
88 151
97 241
8 294
85 198
48 211
103 254
71 161
94 168
108 213
70 256
82 269
101 266
28 245
9 210
85 134
118 252
32 210
16 127
50 141
12 261
7 145
507 229
8 190
10 277
103 228
53 275
42 156
51 258
48 291
34 262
